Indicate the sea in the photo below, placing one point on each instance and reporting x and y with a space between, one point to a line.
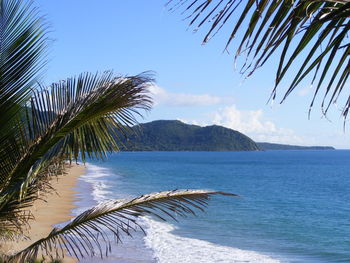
293 206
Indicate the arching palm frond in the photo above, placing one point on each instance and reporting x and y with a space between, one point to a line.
87 234
84 115
91 108
315 32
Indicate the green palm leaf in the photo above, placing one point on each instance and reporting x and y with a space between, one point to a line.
90 108
86 115
22 45
87 234
313 32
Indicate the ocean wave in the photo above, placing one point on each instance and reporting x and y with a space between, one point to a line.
167 247
94 175
104 185
170 248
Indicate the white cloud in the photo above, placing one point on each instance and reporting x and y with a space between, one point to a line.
253 124
161 96
249 122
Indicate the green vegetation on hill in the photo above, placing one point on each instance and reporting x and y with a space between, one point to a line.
164 135
171 135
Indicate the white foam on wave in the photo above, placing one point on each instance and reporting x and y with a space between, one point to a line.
94 175
167 247
170 248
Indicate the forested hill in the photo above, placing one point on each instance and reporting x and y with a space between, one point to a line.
177 136
275 146
171 135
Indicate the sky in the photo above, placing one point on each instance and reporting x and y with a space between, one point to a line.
195 83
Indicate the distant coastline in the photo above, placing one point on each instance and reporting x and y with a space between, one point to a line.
174 135
266 146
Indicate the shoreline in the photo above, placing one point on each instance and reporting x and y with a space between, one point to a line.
56 210
96 186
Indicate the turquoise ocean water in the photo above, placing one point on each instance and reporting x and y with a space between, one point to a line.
294 205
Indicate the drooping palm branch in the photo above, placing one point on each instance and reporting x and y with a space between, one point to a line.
82 237
84 115
89 110
310 35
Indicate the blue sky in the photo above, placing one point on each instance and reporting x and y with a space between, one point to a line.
194 83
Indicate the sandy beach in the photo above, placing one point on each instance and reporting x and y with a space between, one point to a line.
57 209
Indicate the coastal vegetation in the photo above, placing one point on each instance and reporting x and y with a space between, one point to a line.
44 127
174 135
265 146
177 136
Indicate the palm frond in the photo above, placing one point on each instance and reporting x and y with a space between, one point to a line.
85 234
84 115
23 43
314 32
81 114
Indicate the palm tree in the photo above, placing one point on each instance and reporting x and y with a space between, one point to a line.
43 127
312 33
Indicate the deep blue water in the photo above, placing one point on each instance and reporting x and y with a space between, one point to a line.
294 206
